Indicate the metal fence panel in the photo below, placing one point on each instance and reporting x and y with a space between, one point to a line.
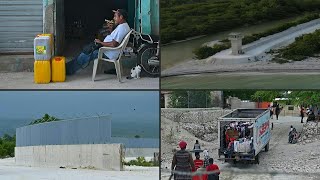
93 130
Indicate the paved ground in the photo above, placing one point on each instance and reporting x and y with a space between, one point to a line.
24 80
244 80
9 171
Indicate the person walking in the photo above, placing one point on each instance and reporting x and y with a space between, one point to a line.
196 147
182 162
271 111
198 163
206 158
301 114
277 111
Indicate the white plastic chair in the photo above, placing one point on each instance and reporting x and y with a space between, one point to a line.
115 61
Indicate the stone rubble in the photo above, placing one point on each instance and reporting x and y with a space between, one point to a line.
310 133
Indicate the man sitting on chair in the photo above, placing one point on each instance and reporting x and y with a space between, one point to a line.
112 40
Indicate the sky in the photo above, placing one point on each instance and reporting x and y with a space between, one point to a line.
139 108
70 104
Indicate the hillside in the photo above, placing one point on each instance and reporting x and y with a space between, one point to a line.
8 125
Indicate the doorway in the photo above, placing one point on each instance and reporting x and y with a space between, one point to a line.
78 22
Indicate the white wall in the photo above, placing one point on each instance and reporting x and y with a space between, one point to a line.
98 156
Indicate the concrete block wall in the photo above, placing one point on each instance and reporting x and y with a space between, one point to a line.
237 103
98 156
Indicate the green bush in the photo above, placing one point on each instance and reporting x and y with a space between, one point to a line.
206 51
7 144
305 46
141 161
203 52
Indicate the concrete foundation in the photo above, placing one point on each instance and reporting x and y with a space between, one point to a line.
97 156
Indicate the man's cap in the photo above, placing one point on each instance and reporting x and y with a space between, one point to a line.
182 144
121 12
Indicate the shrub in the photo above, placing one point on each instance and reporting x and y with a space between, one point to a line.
304 46
141 161
203 52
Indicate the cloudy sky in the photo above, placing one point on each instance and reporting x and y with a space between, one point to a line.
133 107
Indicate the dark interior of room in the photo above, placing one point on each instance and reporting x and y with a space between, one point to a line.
83 19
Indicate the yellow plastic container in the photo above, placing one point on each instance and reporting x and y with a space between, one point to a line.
42 72
58 65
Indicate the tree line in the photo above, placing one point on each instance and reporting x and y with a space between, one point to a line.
203 99
183 19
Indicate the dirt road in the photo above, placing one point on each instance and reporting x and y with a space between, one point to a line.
282 161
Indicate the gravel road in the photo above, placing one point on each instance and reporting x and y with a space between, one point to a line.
282 161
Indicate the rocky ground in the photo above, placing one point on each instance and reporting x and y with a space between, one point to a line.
282 161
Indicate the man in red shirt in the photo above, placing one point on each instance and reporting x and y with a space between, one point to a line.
212 167
198 163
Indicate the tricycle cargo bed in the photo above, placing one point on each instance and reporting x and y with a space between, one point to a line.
243 133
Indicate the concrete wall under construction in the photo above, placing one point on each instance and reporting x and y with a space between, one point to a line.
97 156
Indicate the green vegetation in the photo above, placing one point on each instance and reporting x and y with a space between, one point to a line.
141 161
190 99
304 46
180 97
45 118
305 97
7 144
183 19
295 97
268 96
204 52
